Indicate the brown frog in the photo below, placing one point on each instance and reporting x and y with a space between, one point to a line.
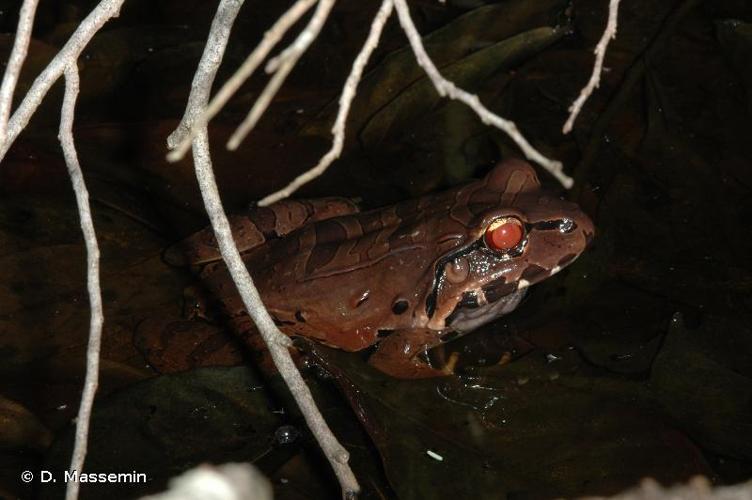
406 277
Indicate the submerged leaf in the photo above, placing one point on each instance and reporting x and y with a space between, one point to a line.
462 37
736 40
536 428
168 424
466 73
707 397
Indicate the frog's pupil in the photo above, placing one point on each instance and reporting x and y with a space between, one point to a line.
505 236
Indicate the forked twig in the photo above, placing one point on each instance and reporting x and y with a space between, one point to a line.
445 88
345 100
80 38
180 140
63 62
281 66
595 78
15 62
277 342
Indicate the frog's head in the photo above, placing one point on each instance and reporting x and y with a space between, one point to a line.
515 236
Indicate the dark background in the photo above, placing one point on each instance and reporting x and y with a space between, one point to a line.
636 361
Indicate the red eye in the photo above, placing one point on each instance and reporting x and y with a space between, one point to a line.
504 234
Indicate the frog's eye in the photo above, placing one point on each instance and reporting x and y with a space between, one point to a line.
504 234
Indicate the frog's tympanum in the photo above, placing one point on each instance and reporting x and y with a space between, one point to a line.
406 277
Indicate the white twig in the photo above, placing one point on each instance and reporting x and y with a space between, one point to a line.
595 79
102 13
345 100
446 88
277 342
180 141
15 62
231 481
92 266
281 66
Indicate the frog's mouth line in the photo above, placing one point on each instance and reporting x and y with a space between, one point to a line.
465 319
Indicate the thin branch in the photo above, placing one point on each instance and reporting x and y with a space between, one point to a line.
281 66
595 77
180 140
15 62
277 342
92 274
345 100
446 88
632 78
68 55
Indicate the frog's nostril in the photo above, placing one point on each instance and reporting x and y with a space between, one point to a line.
566 225
400 306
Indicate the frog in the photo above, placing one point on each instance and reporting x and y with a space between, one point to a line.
401 279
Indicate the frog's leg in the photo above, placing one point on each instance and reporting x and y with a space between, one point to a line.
257 226
399 354
172 345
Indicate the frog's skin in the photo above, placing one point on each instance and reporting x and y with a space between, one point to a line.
405 276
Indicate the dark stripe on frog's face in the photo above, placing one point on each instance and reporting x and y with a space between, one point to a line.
556 232
500 188
534 273
498 289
